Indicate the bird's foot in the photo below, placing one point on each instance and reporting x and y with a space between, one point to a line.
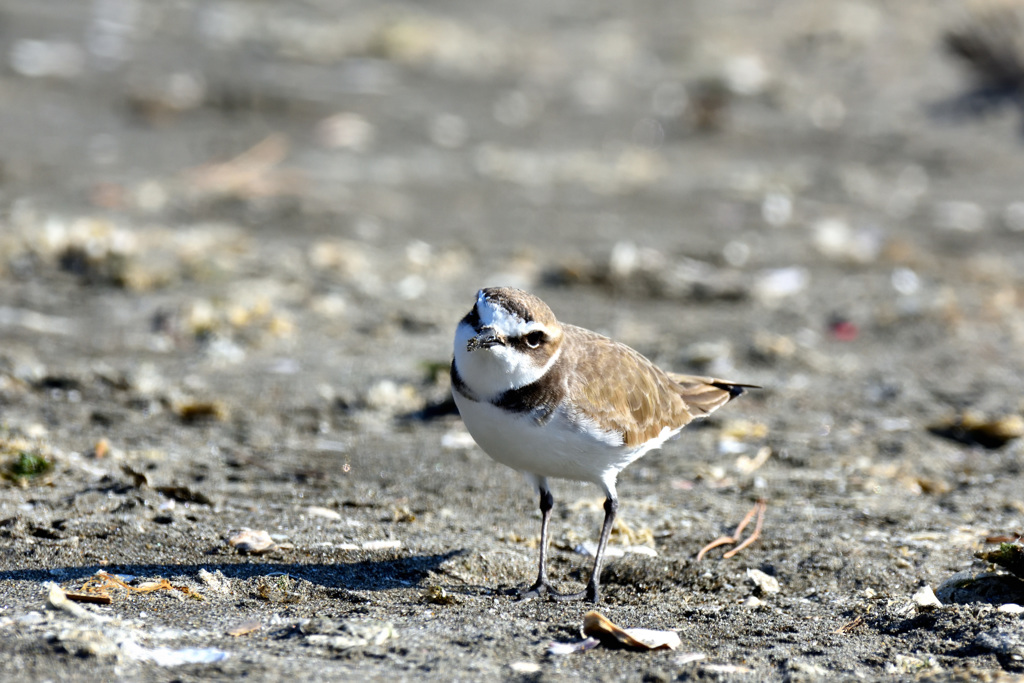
544 589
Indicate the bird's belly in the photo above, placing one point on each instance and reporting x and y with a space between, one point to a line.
557 448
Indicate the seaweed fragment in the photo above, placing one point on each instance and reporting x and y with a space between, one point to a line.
1009 556
26 467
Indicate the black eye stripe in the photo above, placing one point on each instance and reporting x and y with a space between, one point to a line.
537 337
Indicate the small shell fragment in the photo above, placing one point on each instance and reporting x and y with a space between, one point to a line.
925 599
589 548
214 581
598 626
571 648
56 598
764 582
326 513
381 545
252 541
245 628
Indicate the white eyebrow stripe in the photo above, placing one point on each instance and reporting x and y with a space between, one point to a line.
534 326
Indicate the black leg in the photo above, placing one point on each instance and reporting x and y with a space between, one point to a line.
593 590
547 501
542 585
611 506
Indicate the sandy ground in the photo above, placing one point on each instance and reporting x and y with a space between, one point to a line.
236 240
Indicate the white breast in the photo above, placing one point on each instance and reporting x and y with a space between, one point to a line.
561 447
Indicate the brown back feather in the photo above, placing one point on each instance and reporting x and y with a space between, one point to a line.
632 396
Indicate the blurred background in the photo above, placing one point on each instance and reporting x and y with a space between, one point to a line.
221 176
236 237
492 127
295 201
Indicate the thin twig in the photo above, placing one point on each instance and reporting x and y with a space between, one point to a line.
758 509
850 625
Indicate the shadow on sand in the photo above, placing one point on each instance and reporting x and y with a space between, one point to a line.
366 575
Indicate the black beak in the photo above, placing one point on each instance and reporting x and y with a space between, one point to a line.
485 340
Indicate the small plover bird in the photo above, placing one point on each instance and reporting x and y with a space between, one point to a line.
556 400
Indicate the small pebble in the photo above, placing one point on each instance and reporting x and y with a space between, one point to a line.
326 513
777 209
589 548
764 582
214 581
345 130
457 439
31 619
1013 217
905 281
780 283
382 545
925 598
959 216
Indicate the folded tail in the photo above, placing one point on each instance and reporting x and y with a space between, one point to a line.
705 395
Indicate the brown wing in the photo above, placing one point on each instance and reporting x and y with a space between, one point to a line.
633 397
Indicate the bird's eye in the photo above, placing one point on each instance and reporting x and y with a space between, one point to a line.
535 339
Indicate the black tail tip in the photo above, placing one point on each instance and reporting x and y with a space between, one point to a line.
735 389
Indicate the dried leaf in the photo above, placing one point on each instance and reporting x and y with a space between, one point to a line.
199 411
750 465
598 626
253 173
101 449
96 589
93 598
139 479
972 429
184 494
436 595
